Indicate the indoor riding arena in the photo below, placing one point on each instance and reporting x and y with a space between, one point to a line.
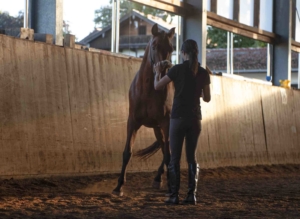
63 119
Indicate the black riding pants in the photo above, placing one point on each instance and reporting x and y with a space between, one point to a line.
180 129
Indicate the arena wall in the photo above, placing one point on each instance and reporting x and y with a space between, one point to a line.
64 111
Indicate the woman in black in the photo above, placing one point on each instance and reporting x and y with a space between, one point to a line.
191 81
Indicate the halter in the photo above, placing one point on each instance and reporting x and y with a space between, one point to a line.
151 60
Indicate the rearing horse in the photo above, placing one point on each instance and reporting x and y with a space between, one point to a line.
149 107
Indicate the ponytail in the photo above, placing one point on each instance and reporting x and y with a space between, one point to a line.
191 48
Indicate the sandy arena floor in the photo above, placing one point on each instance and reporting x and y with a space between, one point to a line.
249 192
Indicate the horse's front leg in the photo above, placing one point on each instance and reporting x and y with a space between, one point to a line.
132 128
157 183
166 147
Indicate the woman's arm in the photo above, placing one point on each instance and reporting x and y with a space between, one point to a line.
160 83
206 93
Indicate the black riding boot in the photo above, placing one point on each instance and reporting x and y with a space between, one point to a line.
193 179
174 180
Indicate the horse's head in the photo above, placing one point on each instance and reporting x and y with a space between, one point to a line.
160 46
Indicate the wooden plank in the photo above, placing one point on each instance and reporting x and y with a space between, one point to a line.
69 40
73 99
27 104
259 138
293 26
114 68
2 97
236 10
64 100
56 145
286 125
37 158
11 89
104 71
256 15
214 6
182 11
238 28
295 46
97 113
41 37
92 97
94 113
27 34
233 119
271 123
296 113
85 102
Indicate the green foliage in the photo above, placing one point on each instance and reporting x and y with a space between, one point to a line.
103 14
217 38
7 21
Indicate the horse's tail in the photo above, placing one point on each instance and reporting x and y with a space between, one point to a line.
148 151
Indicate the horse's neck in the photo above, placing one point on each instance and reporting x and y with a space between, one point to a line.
146 67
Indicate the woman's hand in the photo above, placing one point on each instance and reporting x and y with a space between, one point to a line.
157 69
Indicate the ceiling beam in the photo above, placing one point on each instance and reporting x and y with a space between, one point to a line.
171 6
295 46
241 29
184 9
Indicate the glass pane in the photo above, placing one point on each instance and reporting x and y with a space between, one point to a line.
266 15
295 70
82 26
250 57
136 21
11 16
297 21
216 52
246 12
208 5
225 8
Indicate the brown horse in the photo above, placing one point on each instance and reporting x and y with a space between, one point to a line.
149 107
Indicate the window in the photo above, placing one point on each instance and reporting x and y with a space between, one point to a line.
142 30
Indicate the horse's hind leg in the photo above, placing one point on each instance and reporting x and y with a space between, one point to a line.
157 183
132 128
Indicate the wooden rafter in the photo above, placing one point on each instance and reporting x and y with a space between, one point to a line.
183 9
256 12
171 6
236 10
238 28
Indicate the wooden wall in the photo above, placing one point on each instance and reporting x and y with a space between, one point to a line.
64 111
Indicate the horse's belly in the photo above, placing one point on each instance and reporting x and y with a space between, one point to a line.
150 123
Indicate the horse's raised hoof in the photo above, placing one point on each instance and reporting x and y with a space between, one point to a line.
118 193
157 185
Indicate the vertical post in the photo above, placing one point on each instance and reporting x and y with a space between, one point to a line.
194 27
298 70
282 49
228 53
231 53
256 15
269 65
236 10
113 27
117 25
46 17
26 15
214 6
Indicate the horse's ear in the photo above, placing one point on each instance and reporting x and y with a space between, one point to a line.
154 30
171 33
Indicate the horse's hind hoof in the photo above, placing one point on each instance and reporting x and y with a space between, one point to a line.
118 193
157 185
